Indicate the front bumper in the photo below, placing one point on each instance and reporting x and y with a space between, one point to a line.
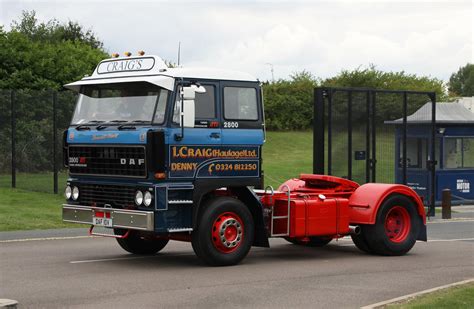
121 218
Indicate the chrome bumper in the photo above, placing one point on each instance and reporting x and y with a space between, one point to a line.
121 218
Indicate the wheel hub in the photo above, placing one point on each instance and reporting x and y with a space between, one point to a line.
397 224
227 232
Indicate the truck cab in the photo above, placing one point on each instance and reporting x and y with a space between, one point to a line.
148 144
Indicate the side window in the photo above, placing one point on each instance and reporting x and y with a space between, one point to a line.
458 152
416 152
161 107
205 104
240 103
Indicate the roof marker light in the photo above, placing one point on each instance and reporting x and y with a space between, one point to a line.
141 53
128 54
115 55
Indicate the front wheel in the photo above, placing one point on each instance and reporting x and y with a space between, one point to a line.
225 232
142 244
396 228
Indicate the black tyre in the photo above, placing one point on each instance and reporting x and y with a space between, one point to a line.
225 232
360 240
396 227
138 243
313 241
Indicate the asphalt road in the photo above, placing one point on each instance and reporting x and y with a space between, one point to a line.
96 273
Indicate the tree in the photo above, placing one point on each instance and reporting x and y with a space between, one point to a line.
54 31
289 103
388 106
39 55
461 83
36 57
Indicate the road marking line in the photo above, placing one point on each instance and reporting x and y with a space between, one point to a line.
46 238
405 297
454 220
455 239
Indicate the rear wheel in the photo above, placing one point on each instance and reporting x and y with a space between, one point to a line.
396 227
138 243
225 232
314 241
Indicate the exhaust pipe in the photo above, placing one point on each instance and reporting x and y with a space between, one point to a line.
354 229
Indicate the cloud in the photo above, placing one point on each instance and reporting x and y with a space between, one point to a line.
422 37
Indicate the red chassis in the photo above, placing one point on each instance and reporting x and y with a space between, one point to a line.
383 219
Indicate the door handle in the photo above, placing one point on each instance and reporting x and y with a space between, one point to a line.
215 135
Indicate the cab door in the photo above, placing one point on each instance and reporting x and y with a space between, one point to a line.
186 155
242 125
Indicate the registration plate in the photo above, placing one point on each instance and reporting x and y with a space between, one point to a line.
101 221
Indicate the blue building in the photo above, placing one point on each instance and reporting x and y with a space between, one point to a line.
454 148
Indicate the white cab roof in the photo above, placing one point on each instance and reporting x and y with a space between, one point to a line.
207 73
151 69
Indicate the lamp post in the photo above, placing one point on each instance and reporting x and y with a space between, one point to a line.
271 70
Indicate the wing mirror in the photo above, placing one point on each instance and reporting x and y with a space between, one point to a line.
187 107
188 94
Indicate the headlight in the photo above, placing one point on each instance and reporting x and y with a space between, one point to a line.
139 198
75 193
68 192
147 199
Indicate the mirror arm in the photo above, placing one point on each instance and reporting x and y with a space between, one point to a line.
180 136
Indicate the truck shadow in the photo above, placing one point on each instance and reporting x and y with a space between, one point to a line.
277 254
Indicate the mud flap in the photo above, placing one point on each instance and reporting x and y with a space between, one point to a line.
422 235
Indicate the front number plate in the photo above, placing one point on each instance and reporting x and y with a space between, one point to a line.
107 222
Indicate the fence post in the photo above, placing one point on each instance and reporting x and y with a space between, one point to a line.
318 131
349 135
446 204
55 164
13 136
404 138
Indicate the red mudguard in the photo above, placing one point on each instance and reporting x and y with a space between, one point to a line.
365 201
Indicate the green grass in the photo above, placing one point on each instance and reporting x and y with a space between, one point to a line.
24 210
288 154
459 297
39 182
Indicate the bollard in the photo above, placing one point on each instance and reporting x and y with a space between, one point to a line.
446 204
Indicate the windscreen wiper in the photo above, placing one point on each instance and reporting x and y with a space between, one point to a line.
100 127
126 127
117 121
82 127
141 121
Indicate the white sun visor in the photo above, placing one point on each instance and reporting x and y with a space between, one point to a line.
161 81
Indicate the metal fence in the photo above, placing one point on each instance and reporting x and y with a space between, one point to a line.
31 127
365 137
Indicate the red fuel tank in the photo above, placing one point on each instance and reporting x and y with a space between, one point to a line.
310 216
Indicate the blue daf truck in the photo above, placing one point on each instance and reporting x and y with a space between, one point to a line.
149 147
157 154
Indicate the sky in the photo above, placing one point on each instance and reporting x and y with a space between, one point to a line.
432 38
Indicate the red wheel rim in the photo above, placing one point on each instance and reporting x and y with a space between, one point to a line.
227 232
397 224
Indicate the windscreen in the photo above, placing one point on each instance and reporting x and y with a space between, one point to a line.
121 103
